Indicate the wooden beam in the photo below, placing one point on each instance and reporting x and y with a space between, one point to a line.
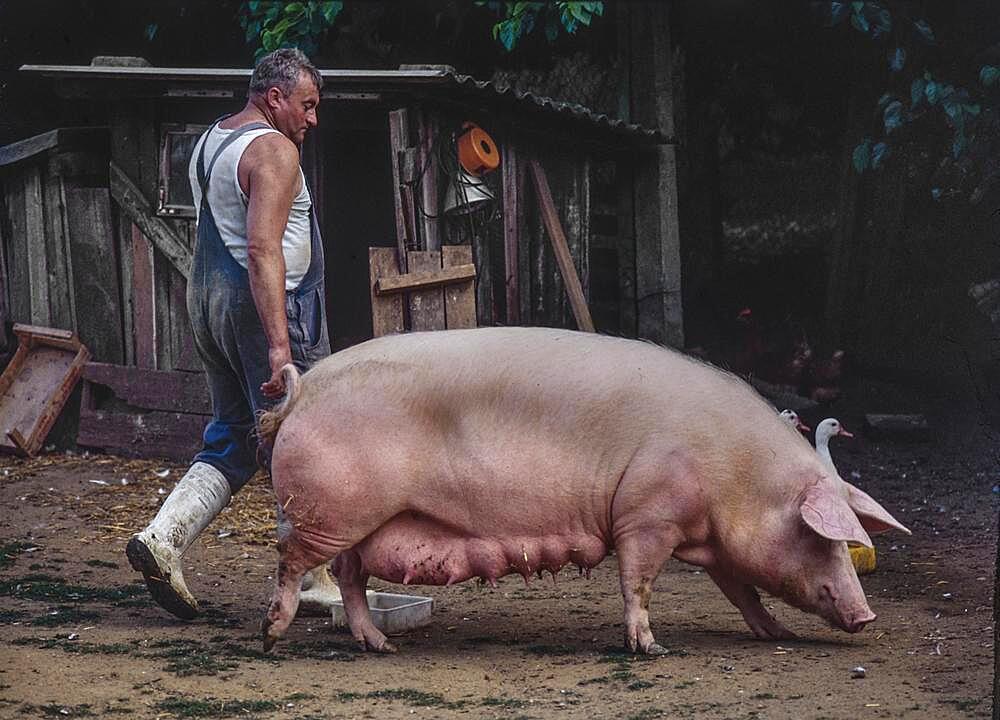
427 131
560 247
510 171
170 391
38 269
143 301
387 311
425 279
398 140
134 204
459 298
426 301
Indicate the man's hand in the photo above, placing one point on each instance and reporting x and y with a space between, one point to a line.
277 358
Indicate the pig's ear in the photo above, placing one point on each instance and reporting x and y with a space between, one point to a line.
829 515
874 518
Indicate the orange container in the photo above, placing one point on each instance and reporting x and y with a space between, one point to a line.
477 152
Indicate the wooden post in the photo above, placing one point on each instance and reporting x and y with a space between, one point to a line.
427 131
399 133
143 301
657 234
512 176
38 270
560 248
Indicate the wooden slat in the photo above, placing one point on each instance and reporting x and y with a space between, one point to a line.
175 436
62 312
426 306
169 391
143 301
34 228
426 279
624 181
123 251
560 247
95 282
510 171
17 252
459 298
164 311
427 131
134 204
398 140
387 310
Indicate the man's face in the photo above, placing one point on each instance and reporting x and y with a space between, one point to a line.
294 114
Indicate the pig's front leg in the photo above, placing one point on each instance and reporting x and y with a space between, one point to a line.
641 556
746 599
353 580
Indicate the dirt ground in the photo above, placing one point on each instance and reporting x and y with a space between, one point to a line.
80 638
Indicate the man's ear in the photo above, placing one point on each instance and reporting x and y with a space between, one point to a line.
830 516
874 518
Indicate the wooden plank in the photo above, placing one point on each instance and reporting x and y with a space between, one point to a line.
427 132
143 301
398 140
17 251
459 298
95 282
163 312
34 229
510 170
123 251
424 280
175 436
60 137
560 247
134 204
624 183
170 391
426 306
387 310
62 310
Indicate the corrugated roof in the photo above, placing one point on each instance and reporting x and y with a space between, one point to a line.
434 80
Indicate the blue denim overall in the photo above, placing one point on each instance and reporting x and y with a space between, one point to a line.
230 338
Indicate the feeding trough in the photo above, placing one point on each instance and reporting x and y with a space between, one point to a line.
391 613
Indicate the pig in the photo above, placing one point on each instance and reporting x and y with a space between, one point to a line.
436 457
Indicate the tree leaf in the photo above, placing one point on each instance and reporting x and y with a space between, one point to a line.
884 100
507 36
892 117
925 30
897 58
551 27
294 8
861 155
989 74
958 144
838 11
917 91
932 92
860 22
936 193
331 10
880 152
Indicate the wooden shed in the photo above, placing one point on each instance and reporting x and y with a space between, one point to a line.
98 223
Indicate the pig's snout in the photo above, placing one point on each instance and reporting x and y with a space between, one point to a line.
858 622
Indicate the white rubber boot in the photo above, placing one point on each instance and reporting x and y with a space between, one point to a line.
156 551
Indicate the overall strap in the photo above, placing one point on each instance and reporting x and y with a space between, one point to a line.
205 175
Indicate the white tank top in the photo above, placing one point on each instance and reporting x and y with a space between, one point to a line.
229 204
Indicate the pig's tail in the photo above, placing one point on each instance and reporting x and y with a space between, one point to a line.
269 421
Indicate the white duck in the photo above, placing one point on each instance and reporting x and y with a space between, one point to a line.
792 418
824 431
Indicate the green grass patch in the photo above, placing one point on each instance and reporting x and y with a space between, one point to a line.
52 589
10 550
9 616
62 642
647 714
416 698
640 685
211 708
56 710
509 703
764 696
550 650
190 657
65 615
319 650
102 563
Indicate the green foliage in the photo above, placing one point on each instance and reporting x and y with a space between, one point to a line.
270 24
969 114
520 18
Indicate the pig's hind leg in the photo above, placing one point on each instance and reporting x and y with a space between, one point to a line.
294 560
353 580
747 601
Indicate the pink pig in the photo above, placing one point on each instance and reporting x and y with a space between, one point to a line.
432 458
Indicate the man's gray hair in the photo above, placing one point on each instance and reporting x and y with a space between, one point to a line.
282 69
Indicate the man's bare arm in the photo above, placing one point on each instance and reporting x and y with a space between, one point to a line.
270 169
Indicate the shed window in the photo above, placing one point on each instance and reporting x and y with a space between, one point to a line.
176 145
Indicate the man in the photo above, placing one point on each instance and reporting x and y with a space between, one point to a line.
255 298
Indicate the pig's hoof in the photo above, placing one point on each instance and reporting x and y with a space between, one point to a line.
656 649
386 647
